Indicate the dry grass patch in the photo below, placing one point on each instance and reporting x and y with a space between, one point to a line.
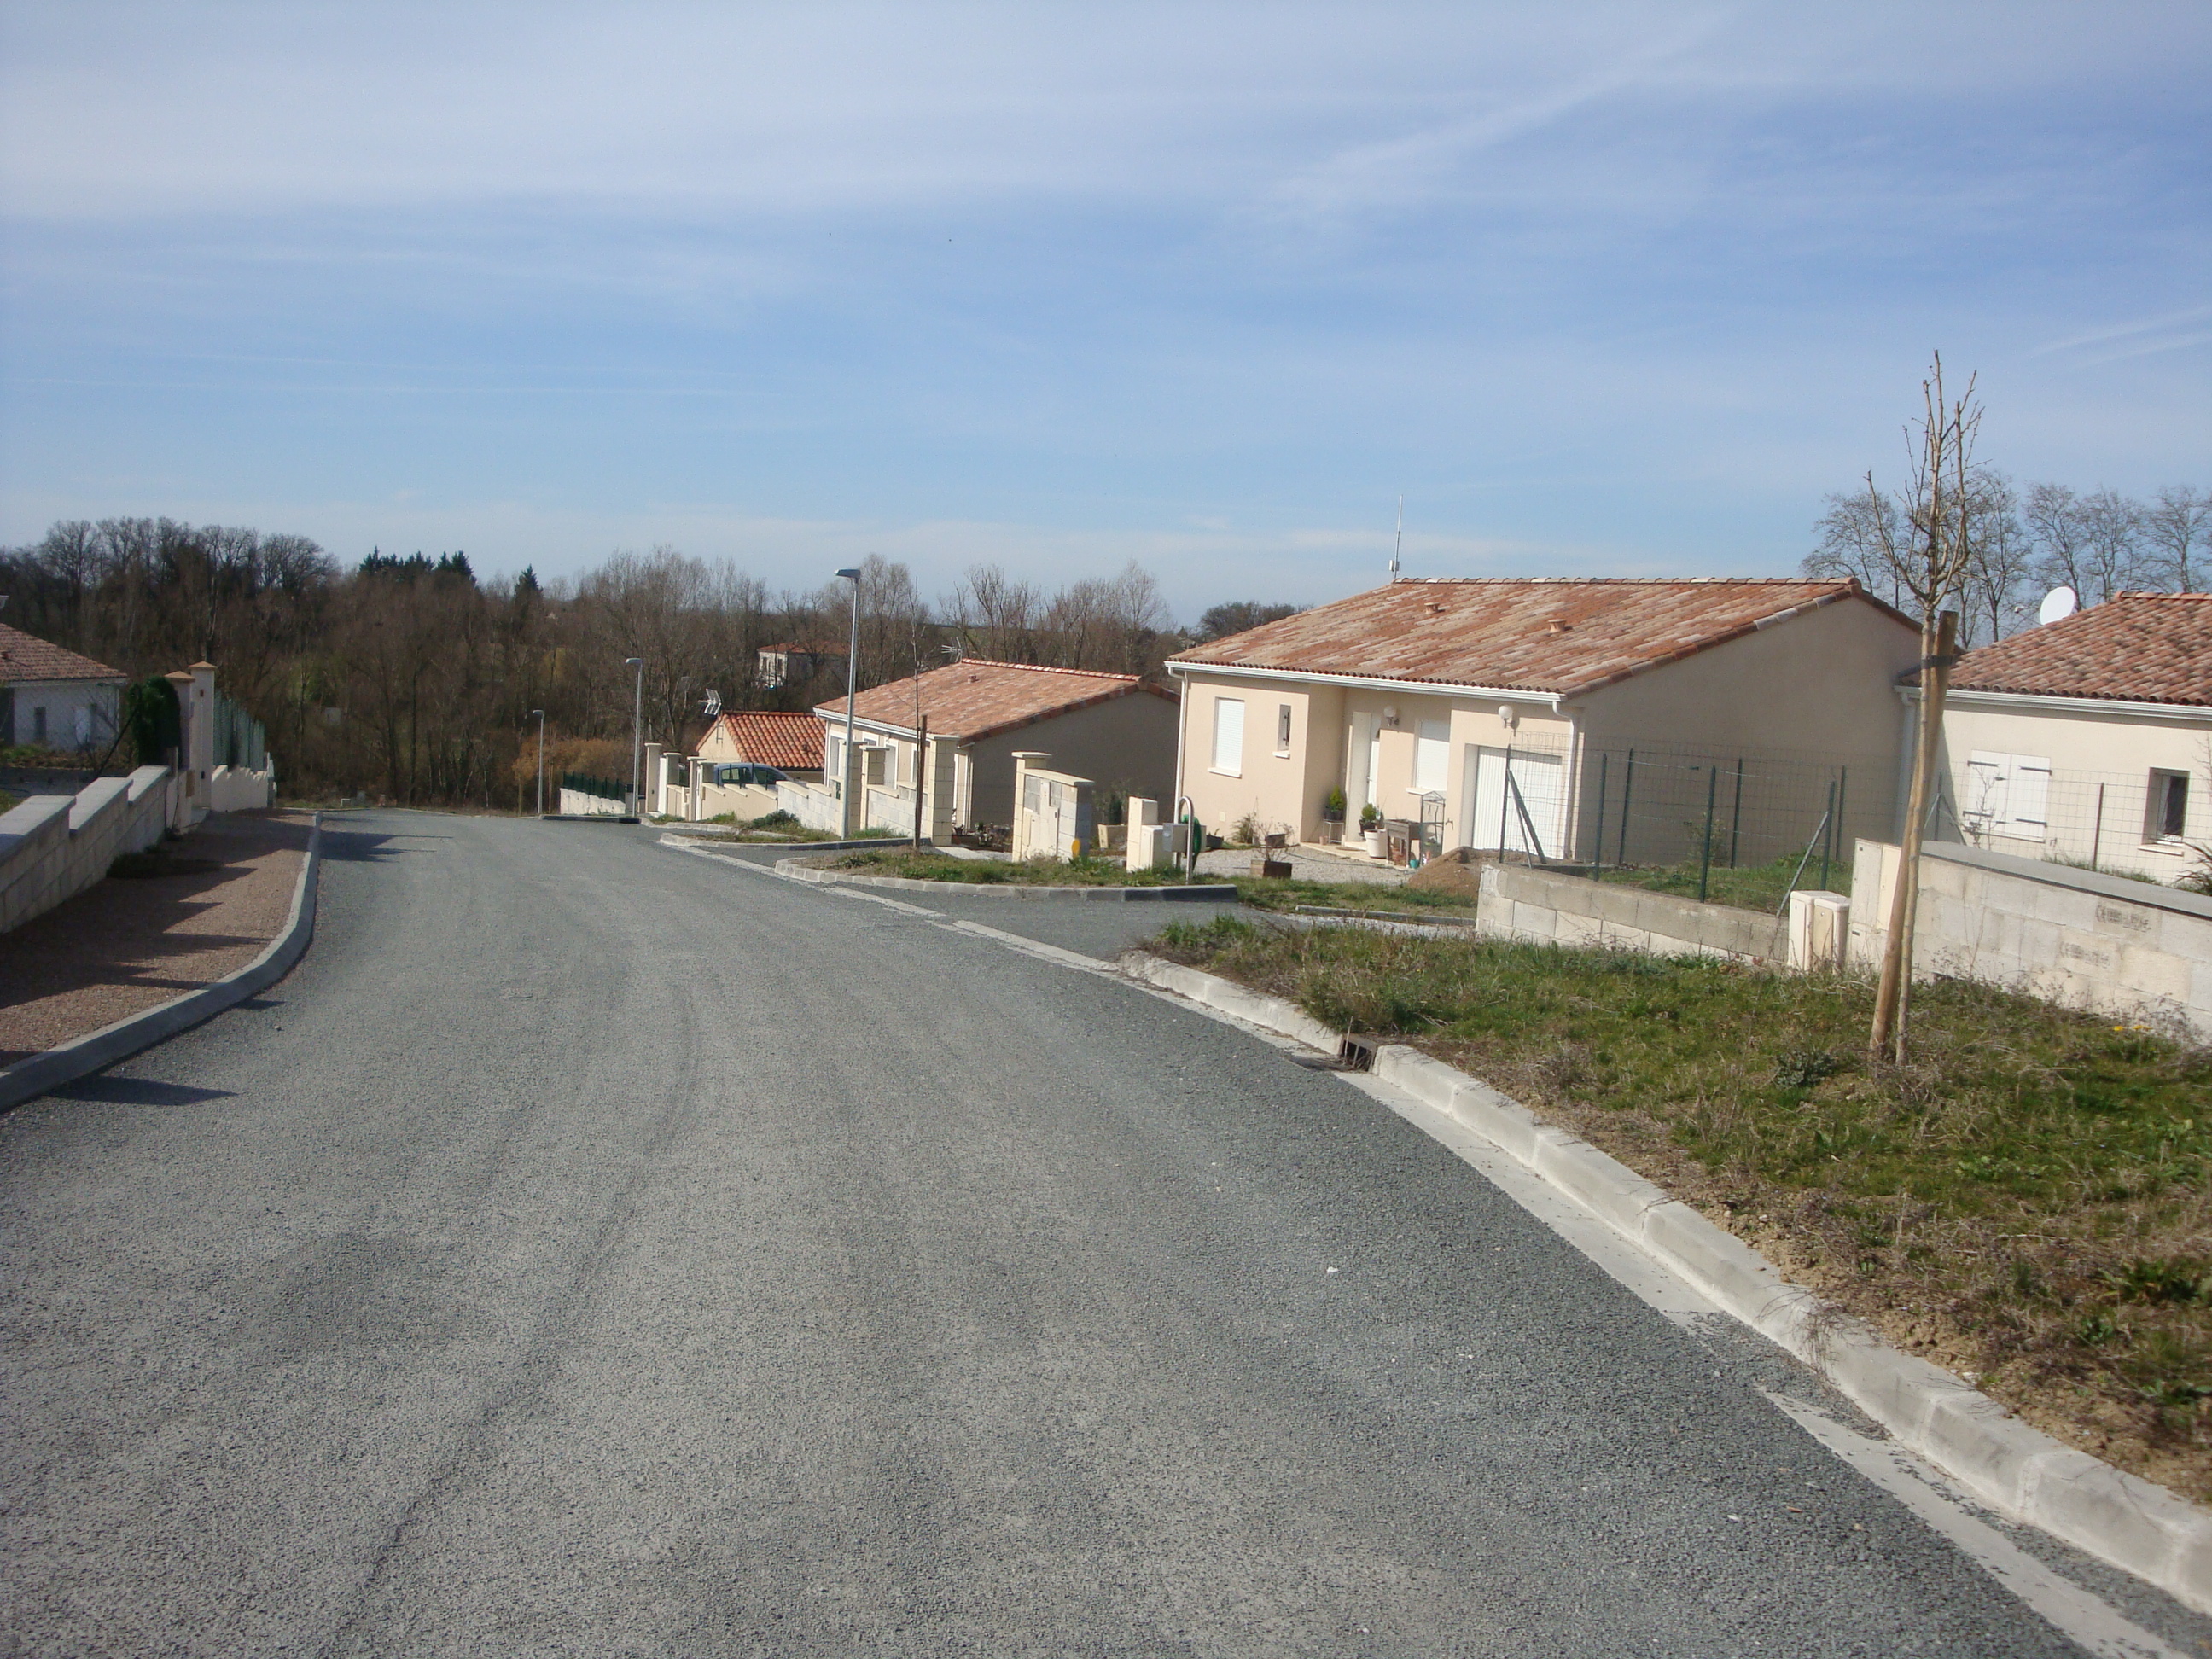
2025 1203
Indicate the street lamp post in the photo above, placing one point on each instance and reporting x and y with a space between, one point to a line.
637 738
850 818
541 760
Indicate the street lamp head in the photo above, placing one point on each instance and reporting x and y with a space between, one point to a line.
633 662
850 575
538 713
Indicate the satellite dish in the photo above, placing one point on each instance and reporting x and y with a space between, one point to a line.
2058 602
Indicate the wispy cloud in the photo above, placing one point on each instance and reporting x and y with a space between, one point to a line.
2175 330
1607 287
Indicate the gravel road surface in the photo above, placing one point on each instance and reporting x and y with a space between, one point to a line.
597 1249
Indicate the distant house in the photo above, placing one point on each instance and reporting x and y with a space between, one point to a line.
741 759
53 698
2088 740
1113 729
794 663
1497 713
790 742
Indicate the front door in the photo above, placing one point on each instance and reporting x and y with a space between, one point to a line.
1365 762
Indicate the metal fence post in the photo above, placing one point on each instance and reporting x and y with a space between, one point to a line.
1597 846
1735 823
1627 783
1827 834
1705 859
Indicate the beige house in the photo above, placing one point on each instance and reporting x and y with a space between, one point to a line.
1497 712
790 742
53 698
1113 729
2088 740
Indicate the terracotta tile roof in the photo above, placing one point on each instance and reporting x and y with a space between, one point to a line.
791 741
978 698
2136 647
1566 635
22 657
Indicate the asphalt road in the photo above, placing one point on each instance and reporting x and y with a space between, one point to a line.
595 1249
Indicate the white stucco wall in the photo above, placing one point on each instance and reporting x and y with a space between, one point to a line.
2097 795
65 714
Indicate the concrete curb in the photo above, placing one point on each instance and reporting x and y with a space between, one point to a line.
99 1049
2016 1470
797 871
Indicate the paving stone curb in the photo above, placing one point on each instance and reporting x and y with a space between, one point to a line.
2016 1470
97 1050
797 870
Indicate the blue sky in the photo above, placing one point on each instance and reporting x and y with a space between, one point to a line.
1600 289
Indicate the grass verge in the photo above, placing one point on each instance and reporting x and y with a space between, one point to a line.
2025 1202
1374 898
1761 887
996 872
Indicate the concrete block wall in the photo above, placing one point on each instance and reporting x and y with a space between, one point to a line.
1540 905
54 846
2077 937
812 804
234 789
576 803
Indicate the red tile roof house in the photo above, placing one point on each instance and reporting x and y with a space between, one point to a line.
1427 694
53 698
1113 729
2088 740
709 784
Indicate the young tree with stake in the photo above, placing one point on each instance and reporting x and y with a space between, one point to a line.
1926 547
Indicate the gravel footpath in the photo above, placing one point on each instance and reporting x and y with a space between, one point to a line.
124 947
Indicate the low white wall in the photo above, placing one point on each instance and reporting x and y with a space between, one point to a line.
54 846
890 809
1538 905
2074 937
743 802
575 804
813 805
234 789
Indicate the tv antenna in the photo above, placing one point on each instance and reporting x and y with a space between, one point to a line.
712 707
1398 545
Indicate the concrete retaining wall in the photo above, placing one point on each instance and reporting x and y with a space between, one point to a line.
54 846
2073 937
234 789
576 804
1547 908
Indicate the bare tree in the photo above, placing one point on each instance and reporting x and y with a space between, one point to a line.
995 615
2110 525
2051 515
1112 623
1997 580
2177 529
1856 533
1930 553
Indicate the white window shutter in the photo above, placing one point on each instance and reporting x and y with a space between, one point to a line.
1228 734
2028 802
1985 805
1431 757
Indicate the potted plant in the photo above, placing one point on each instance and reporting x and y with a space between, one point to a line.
1370 827
1332 815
